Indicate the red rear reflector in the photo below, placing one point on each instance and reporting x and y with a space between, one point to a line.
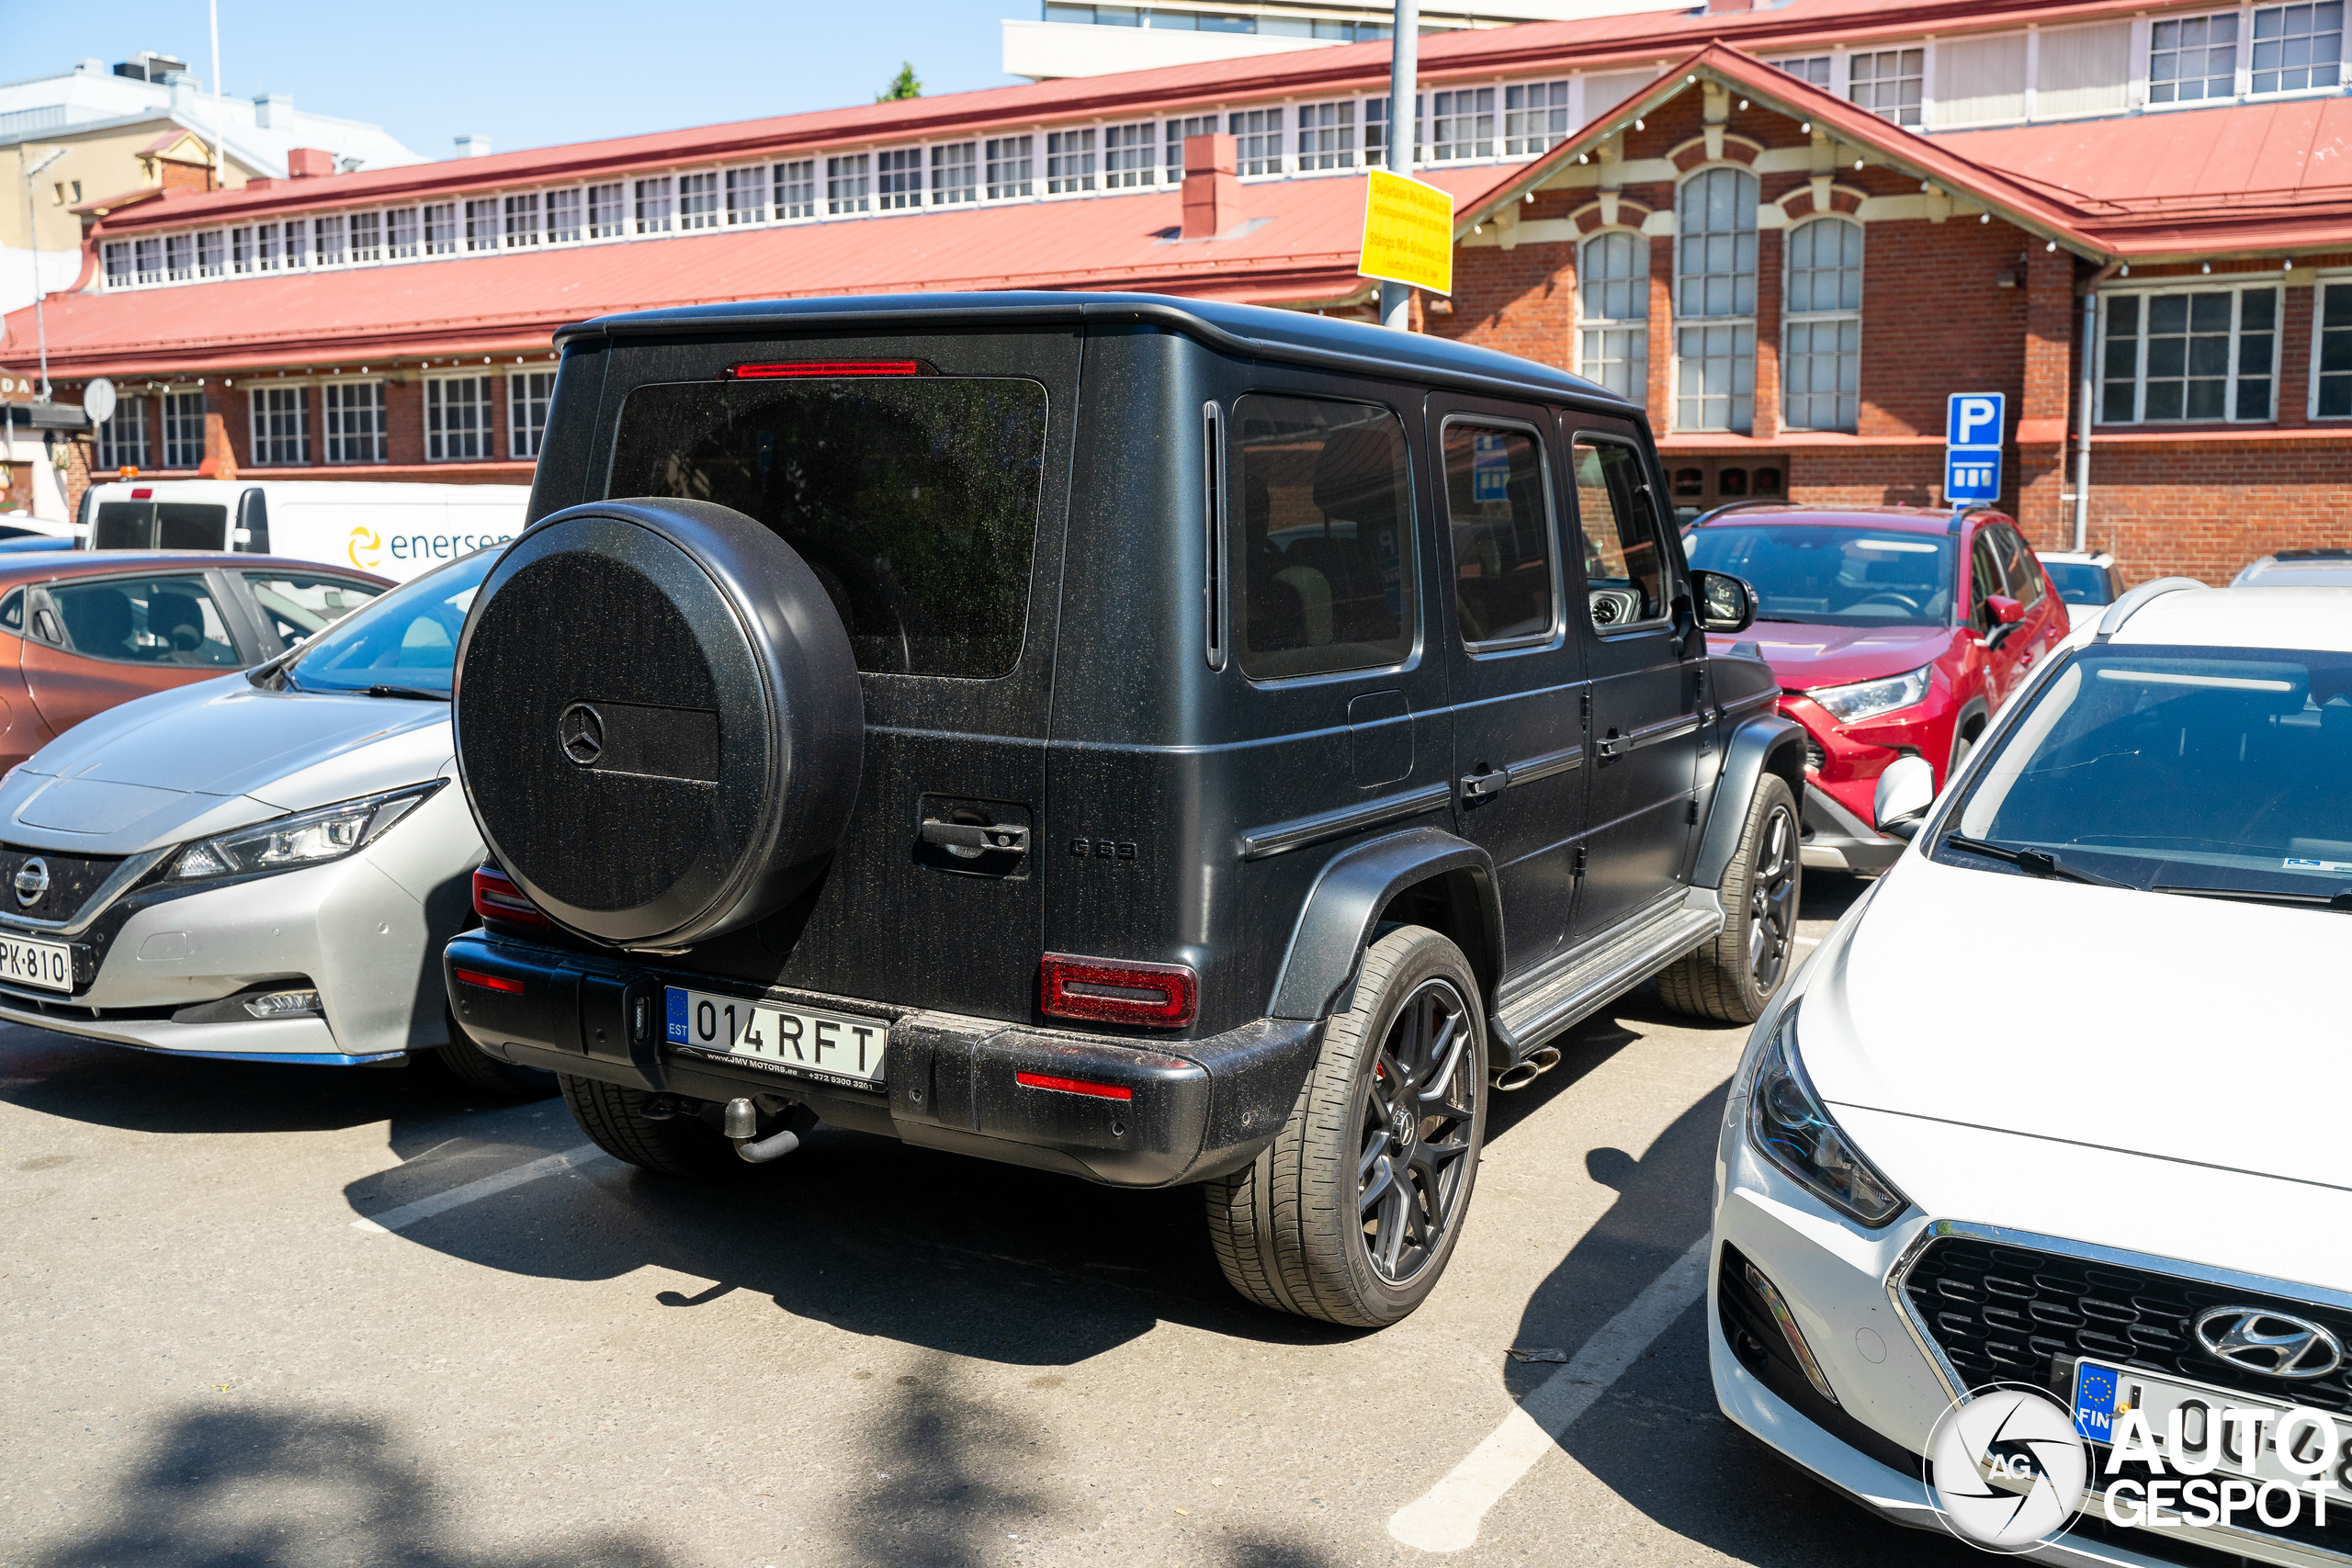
829 368
490 982
1166 996
142 495
1073 1086
496 898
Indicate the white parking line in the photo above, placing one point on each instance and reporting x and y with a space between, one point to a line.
457 1197
1446 1517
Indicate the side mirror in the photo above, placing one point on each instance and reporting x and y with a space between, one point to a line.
1726 604
1905 792
2007 610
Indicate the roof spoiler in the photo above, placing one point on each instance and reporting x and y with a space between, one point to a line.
2123 609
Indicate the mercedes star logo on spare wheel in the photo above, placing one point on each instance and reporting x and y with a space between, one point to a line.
581 731
2006 1470
32 880
2254 1338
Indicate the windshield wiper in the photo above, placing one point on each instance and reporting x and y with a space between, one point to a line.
2033 862
2339 902
415 692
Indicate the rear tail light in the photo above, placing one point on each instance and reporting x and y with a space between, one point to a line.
489 982
1163 995
1073 1086
827 367
500 903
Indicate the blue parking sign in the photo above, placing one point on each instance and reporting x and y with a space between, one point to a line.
1973 423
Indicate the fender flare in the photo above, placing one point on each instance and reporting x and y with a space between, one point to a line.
1766 743
1335 924
1974 707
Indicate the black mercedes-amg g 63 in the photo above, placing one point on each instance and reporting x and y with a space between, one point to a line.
1154 740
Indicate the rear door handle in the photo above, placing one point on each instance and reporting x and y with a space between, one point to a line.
1003 838
1485 784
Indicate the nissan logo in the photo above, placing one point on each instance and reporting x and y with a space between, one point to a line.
581 733
33 882
2259 1340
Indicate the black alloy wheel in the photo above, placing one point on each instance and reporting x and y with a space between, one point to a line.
1736 975
1416 1114
1772 899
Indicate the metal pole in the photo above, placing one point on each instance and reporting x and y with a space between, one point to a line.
219 148
2085 392
1404 67
32 238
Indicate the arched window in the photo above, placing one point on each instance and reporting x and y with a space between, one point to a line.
1613 296
1714 301
1821 365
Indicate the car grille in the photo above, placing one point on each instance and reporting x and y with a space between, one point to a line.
2011 1313
72 880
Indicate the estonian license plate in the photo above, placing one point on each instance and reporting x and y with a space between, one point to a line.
2246 1445
827 1046
48 964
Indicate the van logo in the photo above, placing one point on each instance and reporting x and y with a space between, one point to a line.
365 541
581 732
33 882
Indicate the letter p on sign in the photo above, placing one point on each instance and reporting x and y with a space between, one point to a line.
1976 420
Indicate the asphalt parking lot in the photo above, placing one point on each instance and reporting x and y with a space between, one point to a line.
292 1315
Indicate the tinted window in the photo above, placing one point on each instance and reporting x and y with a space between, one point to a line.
1500 519
2078 583
152 620
1830 576
2018 566
293 606
1324 564
12 611
169 525
914 499
1984 580
1625 564
2179 766
408 638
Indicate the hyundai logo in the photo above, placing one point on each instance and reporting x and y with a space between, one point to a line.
33 882
581 732
2259 1340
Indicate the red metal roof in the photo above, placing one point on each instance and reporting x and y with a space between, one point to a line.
1296 242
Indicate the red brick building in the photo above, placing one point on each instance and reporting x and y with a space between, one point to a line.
1790 233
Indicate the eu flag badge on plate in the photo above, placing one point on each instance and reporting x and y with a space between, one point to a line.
2095 1402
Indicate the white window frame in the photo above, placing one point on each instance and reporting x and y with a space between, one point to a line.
1792 317
1637 283
1131 155
1326 137
1070 156
445 436
122 439
179 257
607 214
521 221
403 233
1375 113
274 449
698 200
1448 113
179 441
849 184
1266 129
367 230
797 194
904 169
147 260
1734 321
2236 286
1919 112
1520 110
115 257
527 402
362 406
2316 360
747 195
953 174
653 204
212 253
1016 156
563 212
2241 86
1179 129
438 223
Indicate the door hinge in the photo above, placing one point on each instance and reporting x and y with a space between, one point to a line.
1578 870
1584 708
1690 816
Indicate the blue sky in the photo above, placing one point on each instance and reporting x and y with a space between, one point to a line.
529 76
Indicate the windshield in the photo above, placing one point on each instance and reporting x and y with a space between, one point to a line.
2078 582
409 637
1834 576
2182 769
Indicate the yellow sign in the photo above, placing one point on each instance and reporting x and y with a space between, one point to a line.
1408 233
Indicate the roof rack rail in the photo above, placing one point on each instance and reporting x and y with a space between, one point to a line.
2123 609
1960 514
1712 513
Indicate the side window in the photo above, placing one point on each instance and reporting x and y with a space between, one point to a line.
294 606
1625 561
1984 579
1500 508
1323 565
12 613
2018 565
152 620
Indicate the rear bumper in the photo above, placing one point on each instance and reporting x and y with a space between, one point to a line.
1195 1109
1835 840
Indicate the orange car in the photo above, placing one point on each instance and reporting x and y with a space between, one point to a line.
82 632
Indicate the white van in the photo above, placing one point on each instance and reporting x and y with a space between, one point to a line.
393 530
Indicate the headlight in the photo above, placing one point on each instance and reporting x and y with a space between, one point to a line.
1868 699
312 837
1788 1125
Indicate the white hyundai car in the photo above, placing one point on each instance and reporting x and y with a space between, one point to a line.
264 866
2062 1102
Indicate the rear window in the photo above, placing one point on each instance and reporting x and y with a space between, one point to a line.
159 526
914 499
2078 582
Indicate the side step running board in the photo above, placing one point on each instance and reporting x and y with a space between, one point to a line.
1590 977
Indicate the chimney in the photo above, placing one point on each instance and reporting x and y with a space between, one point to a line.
309 163
473 146
274 112
1212 189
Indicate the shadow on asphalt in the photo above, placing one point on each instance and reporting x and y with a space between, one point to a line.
239 1487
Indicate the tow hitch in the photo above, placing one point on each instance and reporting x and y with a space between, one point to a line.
740 1122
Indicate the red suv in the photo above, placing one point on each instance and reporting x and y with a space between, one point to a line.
1894 631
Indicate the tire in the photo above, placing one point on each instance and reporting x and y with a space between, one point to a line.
483 1074
1733 978
1290 1229
614 1118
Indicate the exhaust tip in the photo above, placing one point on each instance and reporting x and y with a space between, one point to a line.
1518 1075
